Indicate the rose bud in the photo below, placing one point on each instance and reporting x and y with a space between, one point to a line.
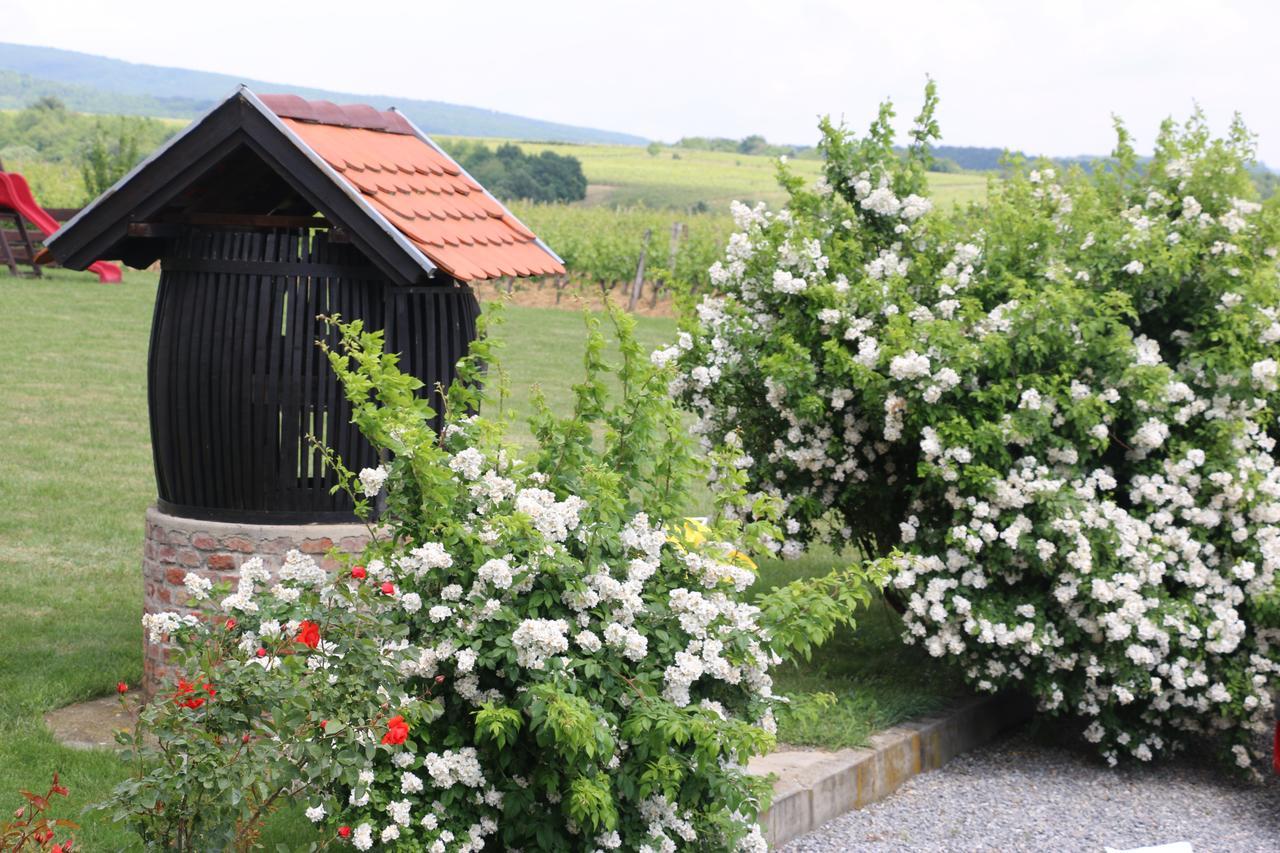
388 588
359 573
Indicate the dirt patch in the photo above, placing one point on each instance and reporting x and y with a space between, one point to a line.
92 724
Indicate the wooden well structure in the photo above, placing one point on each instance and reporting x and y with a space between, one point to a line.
262 215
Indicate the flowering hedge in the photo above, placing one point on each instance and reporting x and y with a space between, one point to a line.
534 653
1053 419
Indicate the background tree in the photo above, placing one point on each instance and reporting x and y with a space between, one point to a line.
109 156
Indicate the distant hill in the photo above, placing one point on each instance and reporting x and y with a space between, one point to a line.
97 84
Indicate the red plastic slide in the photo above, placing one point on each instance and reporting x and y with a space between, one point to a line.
16 195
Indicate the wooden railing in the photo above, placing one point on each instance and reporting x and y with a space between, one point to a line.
14 238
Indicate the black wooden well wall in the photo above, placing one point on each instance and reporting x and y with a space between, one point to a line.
236 382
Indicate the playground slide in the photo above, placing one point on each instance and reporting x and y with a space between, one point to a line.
15 193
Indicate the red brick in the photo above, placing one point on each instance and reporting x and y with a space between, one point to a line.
204 542
316 546
239 543
353 544
189 557
174 576
280 545
167 553
221 562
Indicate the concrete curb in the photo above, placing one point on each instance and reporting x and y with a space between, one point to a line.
814 787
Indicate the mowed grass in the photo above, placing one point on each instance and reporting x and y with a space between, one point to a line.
76 477
877 681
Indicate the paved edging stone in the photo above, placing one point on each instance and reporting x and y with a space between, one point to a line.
814 787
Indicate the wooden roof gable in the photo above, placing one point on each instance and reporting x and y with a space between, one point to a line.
469 233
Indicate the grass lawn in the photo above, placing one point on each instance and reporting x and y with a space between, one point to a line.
76 477
877 681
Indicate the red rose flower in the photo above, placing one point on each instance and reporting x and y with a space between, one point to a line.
230 624
397 731
388 588
186 694
261 652
309 634
358 573
122 688
344 832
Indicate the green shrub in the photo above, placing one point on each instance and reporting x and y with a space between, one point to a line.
535 653
1052 418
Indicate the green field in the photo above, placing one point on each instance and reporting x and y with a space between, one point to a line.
76 478
679 178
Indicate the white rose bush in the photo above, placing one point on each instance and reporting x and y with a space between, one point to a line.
1051 420
536 653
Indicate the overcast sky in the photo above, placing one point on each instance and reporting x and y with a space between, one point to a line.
1042 77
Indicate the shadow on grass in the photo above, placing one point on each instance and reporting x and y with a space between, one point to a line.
877 680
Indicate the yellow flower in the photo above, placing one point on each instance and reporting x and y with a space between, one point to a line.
694 533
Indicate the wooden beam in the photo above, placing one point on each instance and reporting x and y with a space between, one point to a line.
7 252
253 220
170 226
154 229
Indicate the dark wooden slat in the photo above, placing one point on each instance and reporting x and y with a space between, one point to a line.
264 374
204 378
237 383
226 447
298 324
309 286
246 302
185 321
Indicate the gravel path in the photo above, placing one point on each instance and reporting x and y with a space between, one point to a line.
1019 794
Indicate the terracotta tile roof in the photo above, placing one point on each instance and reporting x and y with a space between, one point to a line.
419 189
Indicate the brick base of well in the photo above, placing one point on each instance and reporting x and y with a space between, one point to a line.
175 546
